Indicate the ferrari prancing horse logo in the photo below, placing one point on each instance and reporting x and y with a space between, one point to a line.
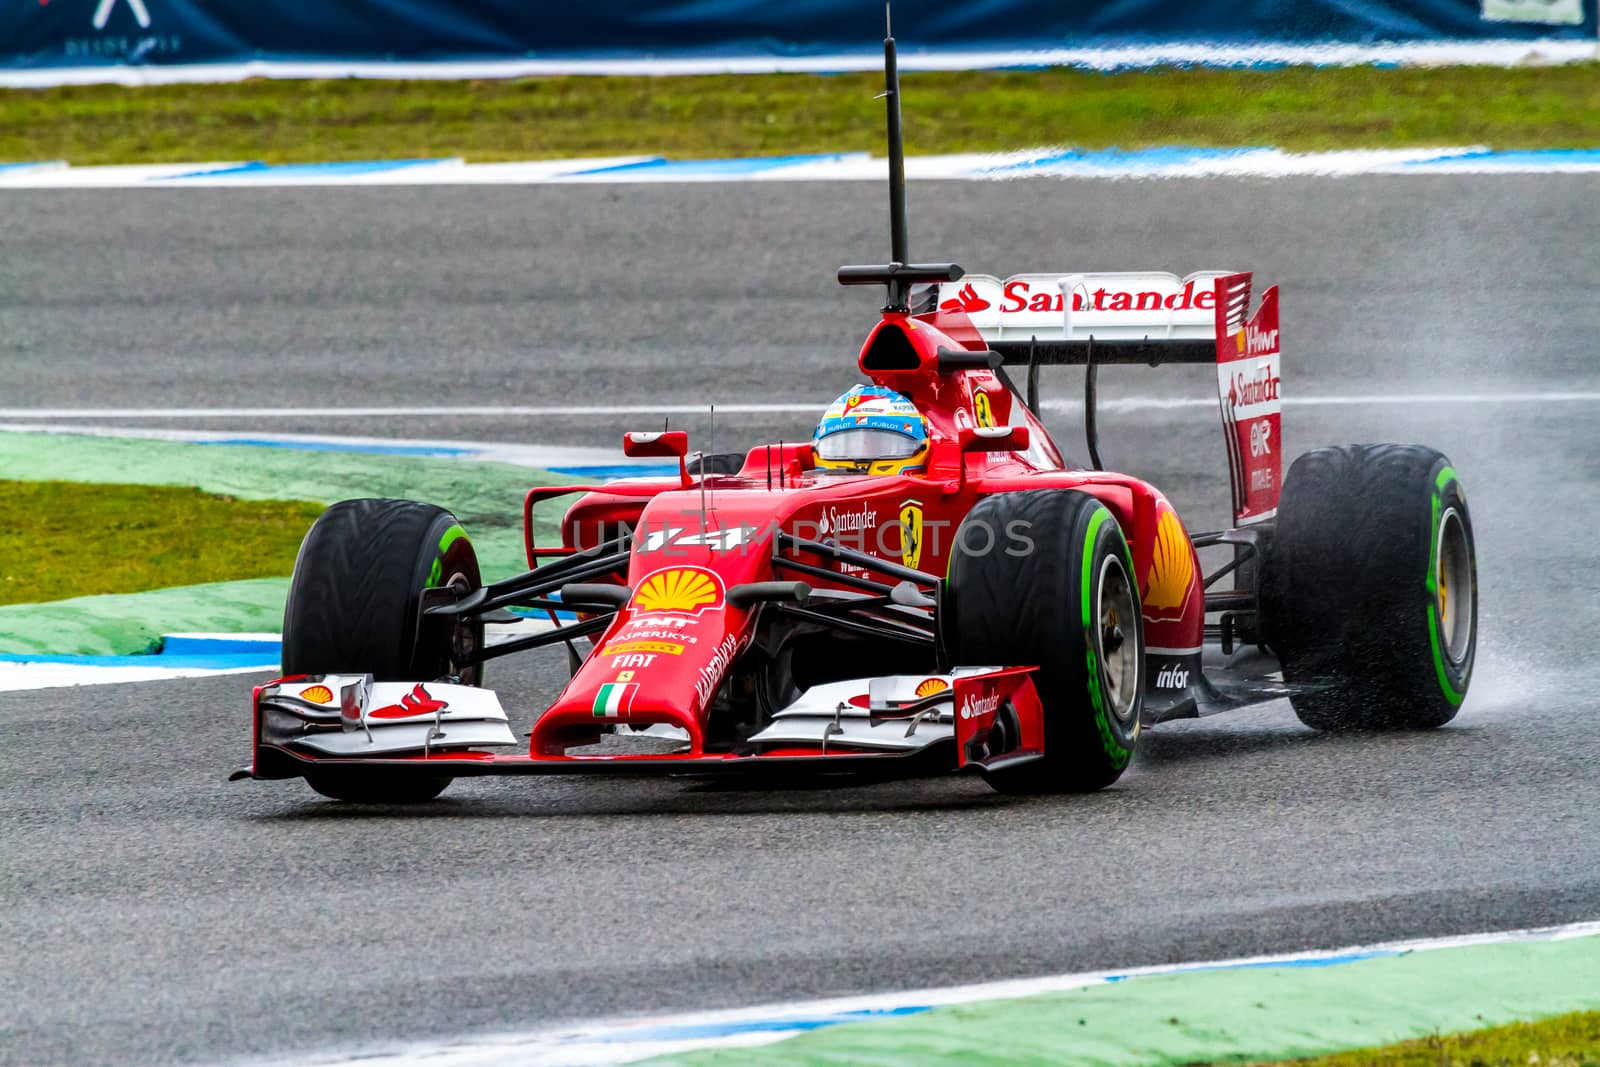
981 409
911 533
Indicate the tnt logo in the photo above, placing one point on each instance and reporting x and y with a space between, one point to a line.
1261 439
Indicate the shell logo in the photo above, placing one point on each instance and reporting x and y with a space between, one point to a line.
317 694
931 687
683 590
1171 568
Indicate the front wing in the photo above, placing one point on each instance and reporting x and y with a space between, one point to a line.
897 726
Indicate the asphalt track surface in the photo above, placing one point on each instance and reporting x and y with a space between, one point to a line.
154 913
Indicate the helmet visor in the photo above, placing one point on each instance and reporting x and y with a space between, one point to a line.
866 444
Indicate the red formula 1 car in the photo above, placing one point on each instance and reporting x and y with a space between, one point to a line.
999 611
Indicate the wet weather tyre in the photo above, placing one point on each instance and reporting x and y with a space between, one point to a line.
1070 605
1370 589
352 609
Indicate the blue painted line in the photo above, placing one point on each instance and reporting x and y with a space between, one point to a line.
1538 157
1146 158
618 470
701 1031
690 167
309 170
341 446
540 613
221 646
1325 961
206 653
28 166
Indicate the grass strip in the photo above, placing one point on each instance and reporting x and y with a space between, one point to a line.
1297 108
70 539
486 497
1564 1041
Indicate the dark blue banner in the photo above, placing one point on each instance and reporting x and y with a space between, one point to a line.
54 33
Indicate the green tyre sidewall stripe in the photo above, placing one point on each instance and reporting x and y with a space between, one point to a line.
1442 671
1115 750
451 535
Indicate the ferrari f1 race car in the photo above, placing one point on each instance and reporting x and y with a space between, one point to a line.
990 608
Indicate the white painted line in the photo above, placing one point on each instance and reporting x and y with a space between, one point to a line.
22 418
108 177
627 1040
1503 53
1105 165
465 411
1151 403
20 676
540 456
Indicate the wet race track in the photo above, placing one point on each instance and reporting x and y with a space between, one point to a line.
156 913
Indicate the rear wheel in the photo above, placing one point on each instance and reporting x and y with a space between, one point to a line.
1068 604
1370 591
353 609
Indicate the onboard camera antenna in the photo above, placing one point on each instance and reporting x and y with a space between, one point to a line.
705 529
898 275
897 148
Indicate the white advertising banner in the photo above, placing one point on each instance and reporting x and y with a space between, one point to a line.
1555 12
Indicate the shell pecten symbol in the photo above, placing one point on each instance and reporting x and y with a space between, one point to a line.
687 590
1171 567
931 686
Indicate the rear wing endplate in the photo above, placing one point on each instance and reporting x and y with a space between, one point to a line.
1148 317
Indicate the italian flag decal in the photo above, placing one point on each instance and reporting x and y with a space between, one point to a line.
614 698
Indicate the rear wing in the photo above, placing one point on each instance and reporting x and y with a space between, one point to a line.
1034 320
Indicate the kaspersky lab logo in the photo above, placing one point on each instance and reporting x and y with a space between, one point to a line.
102 14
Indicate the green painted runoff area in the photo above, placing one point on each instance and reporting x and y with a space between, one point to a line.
486 497
1216 1016
128 624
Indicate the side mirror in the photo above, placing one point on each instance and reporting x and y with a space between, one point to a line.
662 443
993 438
989 439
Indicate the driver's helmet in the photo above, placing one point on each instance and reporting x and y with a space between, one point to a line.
871 430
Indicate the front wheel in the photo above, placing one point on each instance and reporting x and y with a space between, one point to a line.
352 609
1054 588
374 785
1370 588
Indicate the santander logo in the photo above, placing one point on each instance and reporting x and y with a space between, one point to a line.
1243 391
416 702
1154 295
966 300
973 707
